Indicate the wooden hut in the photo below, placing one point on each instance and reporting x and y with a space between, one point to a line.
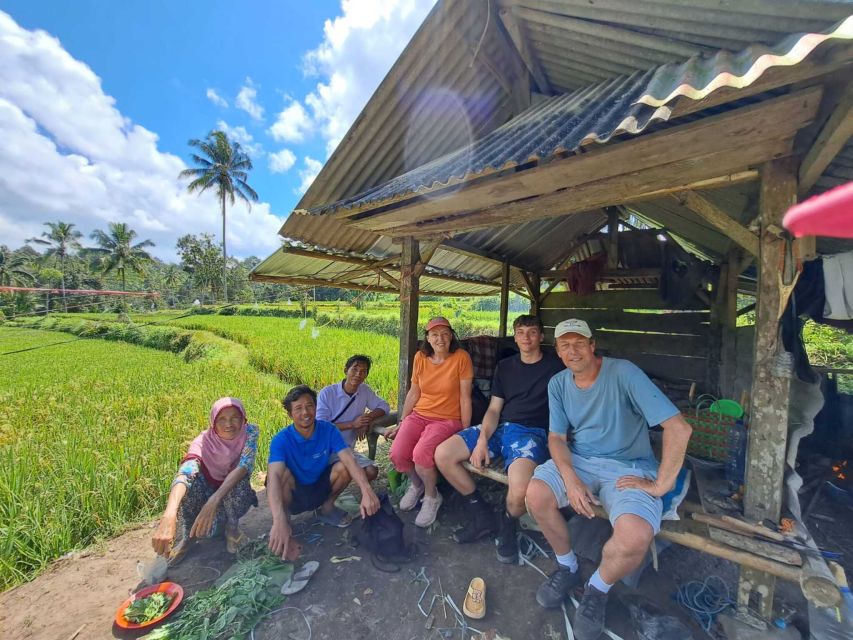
514 139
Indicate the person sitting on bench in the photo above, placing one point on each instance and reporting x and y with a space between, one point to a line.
607 406
352 406
515 427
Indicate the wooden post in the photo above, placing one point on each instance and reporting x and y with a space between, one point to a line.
768 430
714 372
728 318
534 287
504 300
612 238
409 297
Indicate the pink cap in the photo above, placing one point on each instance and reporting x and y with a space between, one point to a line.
438 321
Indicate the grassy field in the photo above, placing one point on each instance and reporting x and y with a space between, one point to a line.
91 433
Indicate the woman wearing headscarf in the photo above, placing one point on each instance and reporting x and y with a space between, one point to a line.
437 406
211 491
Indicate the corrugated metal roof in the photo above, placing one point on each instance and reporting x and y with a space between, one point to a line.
326 266
562 124
445 91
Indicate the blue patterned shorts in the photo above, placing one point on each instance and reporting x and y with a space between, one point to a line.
511 441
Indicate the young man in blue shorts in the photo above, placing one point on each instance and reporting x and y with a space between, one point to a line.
300 475
515 427
607 405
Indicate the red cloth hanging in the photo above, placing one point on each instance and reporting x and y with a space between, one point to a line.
829 214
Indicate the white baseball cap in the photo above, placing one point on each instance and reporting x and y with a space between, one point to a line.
572 325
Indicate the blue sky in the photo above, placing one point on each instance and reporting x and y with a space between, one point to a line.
98 100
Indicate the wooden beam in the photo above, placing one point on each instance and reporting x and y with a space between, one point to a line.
504 312
466 249
394 282
317 282
768 429
775 118
612 238
534 285
832 137
716 146
518 41
722 221
426 255
354 273
409 299
611 191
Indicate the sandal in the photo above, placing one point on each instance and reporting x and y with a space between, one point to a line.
299 580
336 518
475 600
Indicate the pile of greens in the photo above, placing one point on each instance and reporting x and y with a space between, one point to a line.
146 609
238 601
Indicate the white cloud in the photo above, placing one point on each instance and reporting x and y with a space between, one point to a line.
282 161
292 125
246 100
357 51
216 99
307 173
246 140
69 154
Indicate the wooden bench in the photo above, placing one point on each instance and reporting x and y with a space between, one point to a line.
692 531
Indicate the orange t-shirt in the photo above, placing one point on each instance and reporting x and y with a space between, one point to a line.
439 384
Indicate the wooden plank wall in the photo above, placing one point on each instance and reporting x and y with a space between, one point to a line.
636 325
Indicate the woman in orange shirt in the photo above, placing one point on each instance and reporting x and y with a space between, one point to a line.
437 406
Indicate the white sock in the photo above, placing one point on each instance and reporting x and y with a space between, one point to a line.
568 560
598 583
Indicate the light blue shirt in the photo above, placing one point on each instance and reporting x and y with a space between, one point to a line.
610 419
332 399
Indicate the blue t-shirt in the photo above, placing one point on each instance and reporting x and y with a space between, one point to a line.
306 459
610 419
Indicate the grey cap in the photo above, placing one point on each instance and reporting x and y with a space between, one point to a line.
572 325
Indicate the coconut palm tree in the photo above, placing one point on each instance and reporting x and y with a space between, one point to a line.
117 253
224 166
62 240
13 268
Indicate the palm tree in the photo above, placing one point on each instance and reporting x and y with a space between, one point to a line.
13 268
118 254
62 241
224 166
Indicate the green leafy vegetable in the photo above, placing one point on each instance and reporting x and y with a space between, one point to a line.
146 609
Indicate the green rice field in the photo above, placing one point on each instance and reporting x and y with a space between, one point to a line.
91 433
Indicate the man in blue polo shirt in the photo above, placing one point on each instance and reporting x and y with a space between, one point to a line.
607 405
300 475
352 406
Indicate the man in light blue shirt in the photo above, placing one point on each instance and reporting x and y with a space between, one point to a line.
607 406
352 406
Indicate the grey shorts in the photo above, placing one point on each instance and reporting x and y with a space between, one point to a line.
600 476
362 460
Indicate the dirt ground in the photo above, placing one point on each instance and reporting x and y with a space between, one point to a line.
346 601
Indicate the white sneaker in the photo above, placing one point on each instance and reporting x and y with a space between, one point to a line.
410 499
429 510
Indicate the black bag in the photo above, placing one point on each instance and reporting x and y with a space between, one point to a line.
382 534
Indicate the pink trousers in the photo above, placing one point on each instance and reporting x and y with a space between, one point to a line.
418 439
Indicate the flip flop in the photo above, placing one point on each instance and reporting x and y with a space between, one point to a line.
475 600
178 552
337 518
299 580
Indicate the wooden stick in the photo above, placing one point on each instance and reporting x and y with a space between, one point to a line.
77 633
753 528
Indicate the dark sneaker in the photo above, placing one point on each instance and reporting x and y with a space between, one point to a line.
560 583
480 525
507 541
589 618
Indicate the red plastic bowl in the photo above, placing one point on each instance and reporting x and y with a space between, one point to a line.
171 588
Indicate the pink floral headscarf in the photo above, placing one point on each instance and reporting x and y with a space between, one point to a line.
217 455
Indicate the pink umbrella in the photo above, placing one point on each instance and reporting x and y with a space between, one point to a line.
829 214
